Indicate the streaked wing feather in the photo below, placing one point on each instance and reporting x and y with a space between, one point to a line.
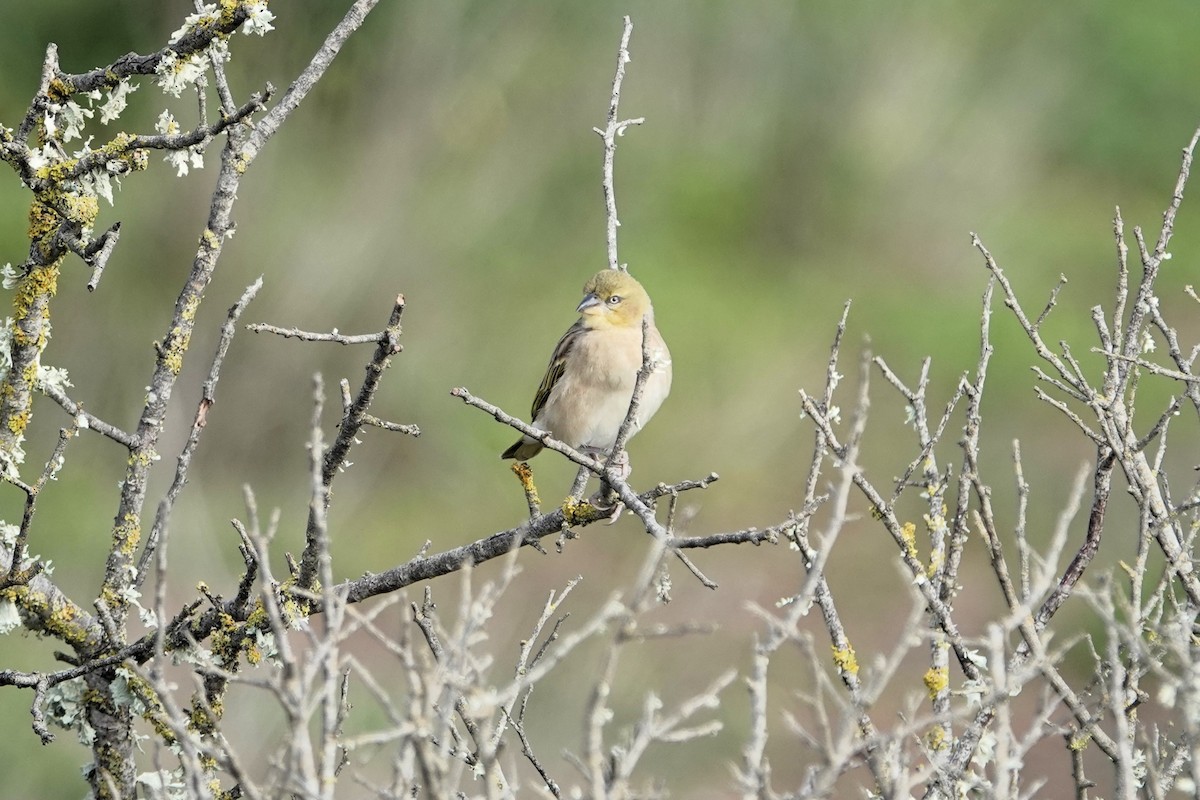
556 368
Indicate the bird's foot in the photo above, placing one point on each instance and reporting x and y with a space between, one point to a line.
606 503
605 498
620 462
622 466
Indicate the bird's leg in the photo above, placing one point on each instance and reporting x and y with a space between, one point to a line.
621 464
605 497
595 452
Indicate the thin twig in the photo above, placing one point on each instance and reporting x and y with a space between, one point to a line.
609 134
87 420
307 336
333 459
207 398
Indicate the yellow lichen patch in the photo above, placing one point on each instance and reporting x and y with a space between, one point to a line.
140 687
58 90
82 208
935 563
189 308
525 476
18 421
936 738
201 721
153 711
45 616
257 617
127 534
118 145
233 639
218 707
936 680
41 281
580 512
42 220
227 623
142 459
228 10
292 610
845 659
110 597
181 336
908 532
161 728
173 361
32 291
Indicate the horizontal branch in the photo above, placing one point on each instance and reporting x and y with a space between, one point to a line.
186 630
498 544
308 336
132 64
753 536
1149 366
200 135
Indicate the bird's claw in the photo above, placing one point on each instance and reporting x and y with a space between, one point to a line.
606 503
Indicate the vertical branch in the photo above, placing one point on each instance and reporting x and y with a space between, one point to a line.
649 363
388 346
333 459
754 774
207 398
1168 226
18 572
1101 487
609 134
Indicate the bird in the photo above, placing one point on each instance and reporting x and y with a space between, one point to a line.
585 394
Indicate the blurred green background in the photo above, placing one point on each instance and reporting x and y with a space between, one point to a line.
795 155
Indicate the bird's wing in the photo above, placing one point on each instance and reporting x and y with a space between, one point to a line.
556 368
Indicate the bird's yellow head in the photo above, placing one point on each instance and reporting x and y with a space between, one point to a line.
613 299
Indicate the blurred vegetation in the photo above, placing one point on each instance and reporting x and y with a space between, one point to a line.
795 155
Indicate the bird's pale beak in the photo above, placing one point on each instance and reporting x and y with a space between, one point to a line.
590 300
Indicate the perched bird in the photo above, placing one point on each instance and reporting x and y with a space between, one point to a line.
589 382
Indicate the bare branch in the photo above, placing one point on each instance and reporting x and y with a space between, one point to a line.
207 399
609 134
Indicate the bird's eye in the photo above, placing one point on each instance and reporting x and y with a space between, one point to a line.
614 300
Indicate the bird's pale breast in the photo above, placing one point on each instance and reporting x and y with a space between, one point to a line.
589 403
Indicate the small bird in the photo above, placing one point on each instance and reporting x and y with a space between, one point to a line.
585 395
